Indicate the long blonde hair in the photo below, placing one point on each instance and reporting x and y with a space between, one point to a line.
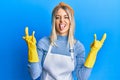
70 13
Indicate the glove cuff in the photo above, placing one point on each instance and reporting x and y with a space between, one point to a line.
33 55
90 61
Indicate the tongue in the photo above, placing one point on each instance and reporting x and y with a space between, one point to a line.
62 27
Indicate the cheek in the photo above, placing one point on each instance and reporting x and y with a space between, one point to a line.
56 22
57 25
68 22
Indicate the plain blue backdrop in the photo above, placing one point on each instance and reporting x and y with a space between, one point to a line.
91 16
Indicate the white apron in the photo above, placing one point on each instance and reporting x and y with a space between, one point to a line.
57 67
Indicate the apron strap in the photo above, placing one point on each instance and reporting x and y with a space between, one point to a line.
50 47
72 53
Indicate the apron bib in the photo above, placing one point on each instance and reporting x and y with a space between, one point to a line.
57 67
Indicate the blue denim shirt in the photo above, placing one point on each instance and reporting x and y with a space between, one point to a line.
81 72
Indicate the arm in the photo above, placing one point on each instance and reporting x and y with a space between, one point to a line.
84 67
35 68
82 72
34 65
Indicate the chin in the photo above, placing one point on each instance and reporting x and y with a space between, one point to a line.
63 33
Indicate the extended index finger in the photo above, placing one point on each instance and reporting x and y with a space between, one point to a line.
26 31
103 38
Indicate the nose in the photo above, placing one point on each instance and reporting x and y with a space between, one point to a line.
61 19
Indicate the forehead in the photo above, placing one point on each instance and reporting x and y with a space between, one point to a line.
61 11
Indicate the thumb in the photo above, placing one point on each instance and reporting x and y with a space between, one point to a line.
23 37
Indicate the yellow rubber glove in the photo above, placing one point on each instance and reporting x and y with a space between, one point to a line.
32 50
95 47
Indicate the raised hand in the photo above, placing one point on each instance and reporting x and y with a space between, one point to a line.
95 47
96 43
31 40
32 50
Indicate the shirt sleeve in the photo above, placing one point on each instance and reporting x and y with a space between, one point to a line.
35 68
82 72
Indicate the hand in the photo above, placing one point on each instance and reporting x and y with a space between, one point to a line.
31 41
96 45
32 50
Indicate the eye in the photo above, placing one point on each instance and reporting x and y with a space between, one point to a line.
66 17
57 17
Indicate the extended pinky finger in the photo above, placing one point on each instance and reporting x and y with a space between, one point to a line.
33 34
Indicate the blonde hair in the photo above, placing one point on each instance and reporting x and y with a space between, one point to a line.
70 13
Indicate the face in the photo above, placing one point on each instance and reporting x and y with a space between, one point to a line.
62 22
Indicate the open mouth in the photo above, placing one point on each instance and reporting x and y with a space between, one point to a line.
62 26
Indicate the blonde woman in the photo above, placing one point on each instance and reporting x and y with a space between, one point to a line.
58 56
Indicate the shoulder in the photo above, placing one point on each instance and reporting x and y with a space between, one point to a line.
44 43
44 40
79 49
79 45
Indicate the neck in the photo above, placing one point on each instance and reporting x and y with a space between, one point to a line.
61 37
62 34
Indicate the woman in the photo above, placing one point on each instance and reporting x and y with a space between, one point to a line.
58 56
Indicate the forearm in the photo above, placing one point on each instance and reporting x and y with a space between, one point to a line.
90 60
33 54
83 73
35 70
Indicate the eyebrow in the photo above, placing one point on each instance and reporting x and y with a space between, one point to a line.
59 15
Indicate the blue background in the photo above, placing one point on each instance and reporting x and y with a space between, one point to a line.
91 16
